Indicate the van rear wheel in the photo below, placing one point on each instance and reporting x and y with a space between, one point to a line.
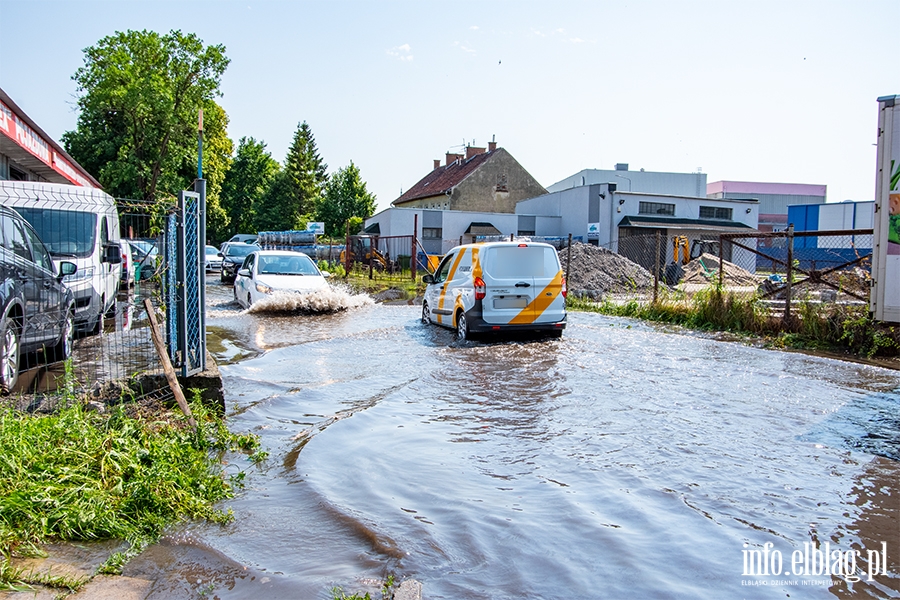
462 326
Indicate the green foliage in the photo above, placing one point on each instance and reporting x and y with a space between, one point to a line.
78 474
139 98
292 199
345 198
248 180
816 326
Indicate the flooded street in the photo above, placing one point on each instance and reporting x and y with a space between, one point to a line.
620 461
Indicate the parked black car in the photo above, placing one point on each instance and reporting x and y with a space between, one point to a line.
37 311
233 258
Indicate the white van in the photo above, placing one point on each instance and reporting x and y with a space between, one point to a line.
79 225
497 287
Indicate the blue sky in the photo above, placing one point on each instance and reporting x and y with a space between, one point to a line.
781 91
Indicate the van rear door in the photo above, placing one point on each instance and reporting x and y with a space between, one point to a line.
509 277
523 285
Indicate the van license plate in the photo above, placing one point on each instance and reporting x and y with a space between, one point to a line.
517 302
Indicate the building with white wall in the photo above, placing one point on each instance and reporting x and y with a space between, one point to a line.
628 222
653 182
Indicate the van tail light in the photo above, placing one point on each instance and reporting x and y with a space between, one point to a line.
479 288
565 290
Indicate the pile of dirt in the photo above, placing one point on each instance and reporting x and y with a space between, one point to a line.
855 280
705 269
596 271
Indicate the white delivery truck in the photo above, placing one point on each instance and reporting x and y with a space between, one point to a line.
79 225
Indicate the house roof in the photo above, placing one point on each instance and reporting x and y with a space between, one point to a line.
444 178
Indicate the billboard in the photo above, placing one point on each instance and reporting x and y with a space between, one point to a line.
885 298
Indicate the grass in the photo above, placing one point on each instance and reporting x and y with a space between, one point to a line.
79 474
337 593
842 328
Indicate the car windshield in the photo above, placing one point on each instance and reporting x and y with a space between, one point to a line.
239 250
211 251
286 265
65 232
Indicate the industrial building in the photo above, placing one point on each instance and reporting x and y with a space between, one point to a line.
774 198
652 182
29 154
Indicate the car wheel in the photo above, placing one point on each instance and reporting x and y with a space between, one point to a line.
9 355
462 327
63 349
426 314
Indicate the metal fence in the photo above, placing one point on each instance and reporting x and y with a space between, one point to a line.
114 345
775 270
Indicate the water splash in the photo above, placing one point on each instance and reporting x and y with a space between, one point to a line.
332 299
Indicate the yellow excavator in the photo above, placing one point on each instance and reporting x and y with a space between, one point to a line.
681 253
362 249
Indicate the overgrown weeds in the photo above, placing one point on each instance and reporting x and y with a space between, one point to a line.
79 474
834 327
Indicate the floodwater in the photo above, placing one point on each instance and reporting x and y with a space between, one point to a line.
621 461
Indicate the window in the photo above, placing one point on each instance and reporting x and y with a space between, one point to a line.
656 208
38 252
443 269
432 233
715 212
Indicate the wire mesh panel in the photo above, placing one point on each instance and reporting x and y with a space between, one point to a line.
191 272
170 288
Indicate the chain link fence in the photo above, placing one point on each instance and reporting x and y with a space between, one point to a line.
774 270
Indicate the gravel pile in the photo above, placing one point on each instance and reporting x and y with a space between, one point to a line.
705 269
596 271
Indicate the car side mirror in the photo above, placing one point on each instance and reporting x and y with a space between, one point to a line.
220 255
66 268
112 254
244 272
428 278
326 274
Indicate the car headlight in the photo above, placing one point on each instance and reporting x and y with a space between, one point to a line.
79 275
263 288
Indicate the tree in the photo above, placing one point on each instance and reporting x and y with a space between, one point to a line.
345 197
248 179
139 97
296 191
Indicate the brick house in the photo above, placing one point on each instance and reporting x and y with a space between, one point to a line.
484 180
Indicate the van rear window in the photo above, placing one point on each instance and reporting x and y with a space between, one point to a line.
517 261
66 233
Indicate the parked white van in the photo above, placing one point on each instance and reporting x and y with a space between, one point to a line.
497 287
79 225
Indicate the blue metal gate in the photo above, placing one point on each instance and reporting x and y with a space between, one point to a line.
185 284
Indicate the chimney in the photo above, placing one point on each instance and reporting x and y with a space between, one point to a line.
473 151
451 158
492 146
437 163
